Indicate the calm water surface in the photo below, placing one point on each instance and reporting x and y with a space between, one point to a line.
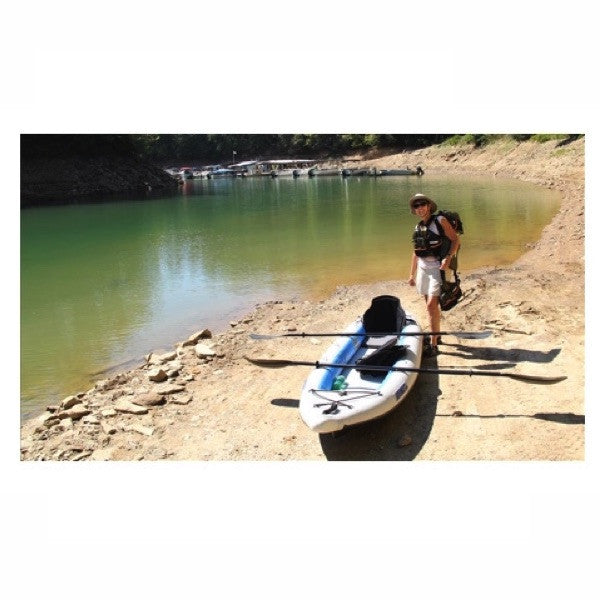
103 284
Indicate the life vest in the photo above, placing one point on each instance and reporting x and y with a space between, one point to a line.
429 243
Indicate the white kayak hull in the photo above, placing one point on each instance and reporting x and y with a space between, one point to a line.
366 397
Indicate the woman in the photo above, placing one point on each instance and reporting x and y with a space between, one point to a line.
432 253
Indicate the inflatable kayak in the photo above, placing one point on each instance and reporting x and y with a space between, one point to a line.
361 387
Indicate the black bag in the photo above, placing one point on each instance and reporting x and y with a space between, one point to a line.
451 292
385 356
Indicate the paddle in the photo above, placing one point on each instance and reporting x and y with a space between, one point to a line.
272 363
467 335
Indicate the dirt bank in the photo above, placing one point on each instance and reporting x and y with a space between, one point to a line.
213 405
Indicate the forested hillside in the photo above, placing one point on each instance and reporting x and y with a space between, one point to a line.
71 167
210 148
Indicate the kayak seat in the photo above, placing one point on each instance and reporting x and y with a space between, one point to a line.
385 315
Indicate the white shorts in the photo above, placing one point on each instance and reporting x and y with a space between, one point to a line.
429 280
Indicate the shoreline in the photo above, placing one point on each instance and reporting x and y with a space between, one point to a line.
202 401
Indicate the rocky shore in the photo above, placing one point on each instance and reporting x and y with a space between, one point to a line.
204 401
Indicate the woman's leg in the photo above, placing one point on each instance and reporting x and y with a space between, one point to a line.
435 316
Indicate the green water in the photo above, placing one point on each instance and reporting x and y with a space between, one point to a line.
103 284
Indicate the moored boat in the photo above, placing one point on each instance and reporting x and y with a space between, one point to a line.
301 172
321 172
355 172
218 173
286 167
354 384
407 171
383 172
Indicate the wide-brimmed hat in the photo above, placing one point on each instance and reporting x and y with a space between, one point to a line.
421 197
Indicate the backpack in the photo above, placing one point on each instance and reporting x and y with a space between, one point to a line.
451 292
454 220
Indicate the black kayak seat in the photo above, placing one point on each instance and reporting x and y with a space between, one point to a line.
384 315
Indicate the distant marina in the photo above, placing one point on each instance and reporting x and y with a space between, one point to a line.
287 167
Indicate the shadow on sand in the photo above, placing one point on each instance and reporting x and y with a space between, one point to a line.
409 423
402 433
509 355
563 418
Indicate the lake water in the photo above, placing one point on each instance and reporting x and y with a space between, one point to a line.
106 283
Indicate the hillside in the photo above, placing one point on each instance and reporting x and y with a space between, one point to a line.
57 169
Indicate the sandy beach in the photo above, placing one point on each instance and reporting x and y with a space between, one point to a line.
212 405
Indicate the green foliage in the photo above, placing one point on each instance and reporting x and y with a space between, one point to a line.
218 148
209 148
546 137
479 140
74 145
465 139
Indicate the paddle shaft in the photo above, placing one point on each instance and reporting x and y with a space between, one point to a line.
471 335
275 363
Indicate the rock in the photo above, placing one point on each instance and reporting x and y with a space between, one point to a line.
103 454
108 428
69 402
157 375
193 339
139 429
75 413
405 440
169 388
47 417
108 412
51 422
203 351
129 407
180 398
91 420
156 454
173 368
158 359
167 356
149 399
82 455
67 423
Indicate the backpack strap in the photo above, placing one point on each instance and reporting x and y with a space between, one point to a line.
453 268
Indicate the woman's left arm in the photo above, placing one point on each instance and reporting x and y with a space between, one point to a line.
454 239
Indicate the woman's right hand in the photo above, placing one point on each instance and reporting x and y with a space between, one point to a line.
411 281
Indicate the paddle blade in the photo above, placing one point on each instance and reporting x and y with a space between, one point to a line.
274 363
471 335
535 378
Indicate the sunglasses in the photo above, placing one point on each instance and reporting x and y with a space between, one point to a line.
421 203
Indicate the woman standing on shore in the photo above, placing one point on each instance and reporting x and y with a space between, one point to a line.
431 255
